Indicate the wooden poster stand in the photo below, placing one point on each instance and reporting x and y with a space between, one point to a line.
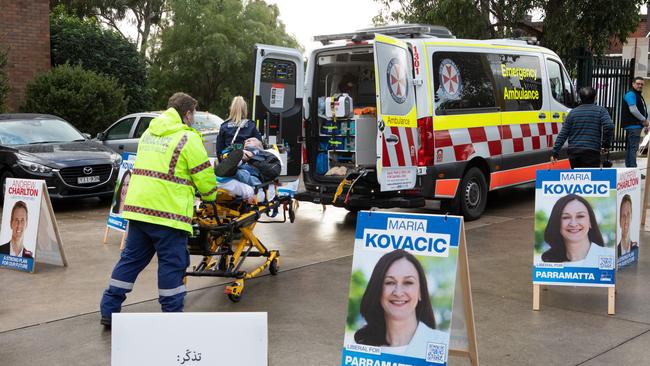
463 304
611 298
646 186
121 241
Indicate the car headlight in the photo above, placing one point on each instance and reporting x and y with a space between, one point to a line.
116 159
33 167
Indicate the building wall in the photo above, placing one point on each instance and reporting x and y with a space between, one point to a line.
25 34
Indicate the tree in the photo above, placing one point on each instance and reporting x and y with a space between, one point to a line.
144 14
4 81
567 25
88 100
84 42
209 50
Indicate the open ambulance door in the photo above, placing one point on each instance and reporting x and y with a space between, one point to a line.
396 115
277 103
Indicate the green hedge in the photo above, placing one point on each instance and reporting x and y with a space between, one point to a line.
88 100
84 42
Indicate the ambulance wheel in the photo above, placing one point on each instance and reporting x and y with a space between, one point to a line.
274 267
471 198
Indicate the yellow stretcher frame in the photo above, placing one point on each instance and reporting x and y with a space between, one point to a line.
224 237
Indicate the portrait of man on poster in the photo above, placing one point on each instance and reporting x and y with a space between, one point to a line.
18 224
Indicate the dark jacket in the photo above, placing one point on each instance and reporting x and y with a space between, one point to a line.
588 126
627 118
5 249
227 132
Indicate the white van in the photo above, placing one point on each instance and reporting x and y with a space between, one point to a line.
432 117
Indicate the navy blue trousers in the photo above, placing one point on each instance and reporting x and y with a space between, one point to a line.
142 242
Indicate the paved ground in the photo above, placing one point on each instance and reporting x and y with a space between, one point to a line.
51 318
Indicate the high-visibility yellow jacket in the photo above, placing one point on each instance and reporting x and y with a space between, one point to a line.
171 163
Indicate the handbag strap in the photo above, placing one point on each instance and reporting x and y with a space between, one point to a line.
236 132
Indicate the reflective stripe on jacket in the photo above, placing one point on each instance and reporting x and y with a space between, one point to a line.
171 163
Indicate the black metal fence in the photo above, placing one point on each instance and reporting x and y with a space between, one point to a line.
612 78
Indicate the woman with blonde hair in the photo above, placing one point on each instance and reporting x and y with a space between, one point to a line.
237 128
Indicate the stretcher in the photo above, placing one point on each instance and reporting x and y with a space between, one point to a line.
223 235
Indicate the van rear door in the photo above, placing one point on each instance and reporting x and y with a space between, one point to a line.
277 103
396 115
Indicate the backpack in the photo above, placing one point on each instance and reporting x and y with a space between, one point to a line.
267 164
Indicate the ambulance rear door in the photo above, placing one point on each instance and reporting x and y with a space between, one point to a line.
396 115
277 103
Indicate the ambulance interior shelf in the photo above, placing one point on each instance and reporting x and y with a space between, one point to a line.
346 144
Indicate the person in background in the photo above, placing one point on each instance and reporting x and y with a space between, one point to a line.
170 167
588 128
236 129
634 117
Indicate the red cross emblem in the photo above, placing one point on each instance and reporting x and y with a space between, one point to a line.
450 77
397 84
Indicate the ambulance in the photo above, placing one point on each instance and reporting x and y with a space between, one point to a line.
399 116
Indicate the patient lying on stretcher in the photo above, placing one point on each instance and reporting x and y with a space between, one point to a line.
243 170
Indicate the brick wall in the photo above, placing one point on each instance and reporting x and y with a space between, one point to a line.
25 34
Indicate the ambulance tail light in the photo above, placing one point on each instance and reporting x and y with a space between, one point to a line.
425 152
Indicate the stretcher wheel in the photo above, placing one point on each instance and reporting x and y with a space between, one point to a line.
292 213
234 298
274 267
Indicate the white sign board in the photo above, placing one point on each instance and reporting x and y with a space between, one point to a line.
189 339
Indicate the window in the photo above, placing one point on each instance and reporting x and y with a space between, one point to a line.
121 129
143 124
520 81
561 87
463 83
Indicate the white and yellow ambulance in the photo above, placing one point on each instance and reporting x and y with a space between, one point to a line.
431 117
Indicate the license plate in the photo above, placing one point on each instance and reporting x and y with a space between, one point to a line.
90 179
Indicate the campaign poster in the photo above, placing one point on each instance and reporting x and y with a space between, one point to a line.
401 289
115 219
575 227
20 216
628 229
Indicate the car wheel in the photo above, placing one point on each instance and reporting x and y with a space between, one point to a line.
3 179
471 198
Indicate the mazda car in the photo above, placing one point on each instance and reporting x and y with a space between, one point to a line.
46 147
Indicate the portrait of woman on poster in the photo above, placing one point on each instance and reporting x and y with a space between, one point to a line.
573 234
118 206
397 308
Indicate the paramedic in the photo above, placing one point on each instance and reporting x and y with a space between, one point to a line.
588 128
236 129
397 308
171 161
634 116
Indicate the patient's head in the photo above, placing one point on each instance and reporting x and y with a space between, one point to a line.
253 143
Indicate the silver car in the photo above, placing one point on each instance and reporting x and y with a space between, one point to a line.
123 135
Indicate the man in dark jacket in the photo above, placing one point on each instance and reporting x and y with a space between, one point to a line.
588 128
634 116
